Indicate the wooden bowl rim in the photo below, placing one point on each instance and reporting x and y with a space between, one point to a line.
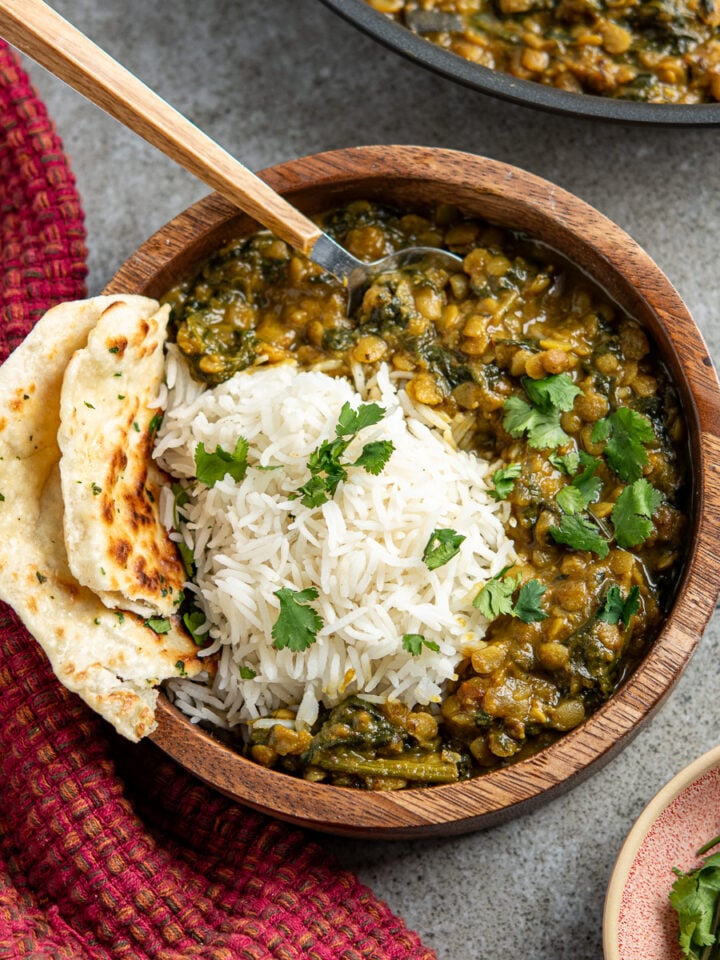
493 797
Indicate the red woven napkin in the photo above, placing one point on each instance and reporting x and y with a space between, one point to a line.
110 850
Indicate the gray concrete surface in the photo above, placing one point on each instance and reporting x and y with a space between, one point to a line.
274 79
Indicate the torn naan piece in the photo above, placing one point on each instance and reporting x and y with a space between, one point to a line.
115 541
113 659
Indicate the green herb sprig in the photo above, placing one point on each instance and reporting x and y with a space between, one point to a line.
297 624
414 643
540 418
210 468
441 547
327 469
495 598
695 896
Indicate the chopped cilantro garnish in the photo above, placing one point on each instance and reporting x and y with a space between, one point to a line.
616 609
570 499
351 422
113 349
88 404
540 419
212 467
374 456
187 557
556 392
154 424
543 429
2 497
324 463
194 620
120 615
528 607
96 489
580 534
136 426
504 480
297 624
158 624
584 488
496 598
632 513
626 432
247 673
441 547
41 578
566 463
180 667
414 642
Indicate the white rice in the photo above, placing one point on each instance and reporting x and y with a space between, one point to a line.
362 550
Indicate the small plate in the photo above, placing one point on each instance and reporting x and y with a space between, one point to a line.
638 921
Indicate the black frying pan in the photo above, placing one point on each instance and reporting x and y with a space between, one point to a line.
525 92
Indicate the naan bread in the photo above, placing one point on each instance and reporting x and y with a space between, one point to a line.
115 541
111 658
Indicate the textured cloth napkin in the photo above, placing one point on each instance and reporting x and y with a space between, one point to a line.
110 850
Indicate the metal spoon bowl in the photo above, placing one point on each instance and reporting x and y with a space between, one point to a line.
55 44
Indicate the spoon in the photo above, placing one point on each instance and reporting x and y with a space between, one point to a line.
37 30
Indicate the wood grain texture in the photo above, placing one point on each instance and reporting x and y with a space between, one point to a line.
512 198
55 44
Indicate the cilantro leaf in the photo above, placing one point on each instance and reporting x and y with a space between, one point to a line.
351 422
633 511
187 557
193 620
324 463
414 642
566 463
527 607
155 424
556 392
626 432
441 547
504 480
584 488
694 896
374 456
615 609
297 624
543 429
158 624
212 467
570 499
586 482
247 673
495 598
580 534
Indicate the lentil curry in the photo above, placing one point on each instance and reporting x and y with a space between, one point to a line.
660 51
537 371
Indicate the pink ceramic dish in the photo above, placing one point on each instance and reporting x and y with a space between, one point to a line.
639 923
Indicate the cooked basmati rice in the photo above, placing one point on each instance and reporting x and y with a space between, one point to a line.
362 550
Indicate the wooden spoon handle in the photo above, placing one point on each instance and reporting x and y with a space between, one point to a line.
41 33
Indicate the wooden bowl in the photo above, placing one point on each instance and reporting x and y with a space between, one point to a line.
512 198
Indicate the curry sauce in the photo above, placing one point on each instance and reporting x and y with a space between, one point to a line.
533 368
